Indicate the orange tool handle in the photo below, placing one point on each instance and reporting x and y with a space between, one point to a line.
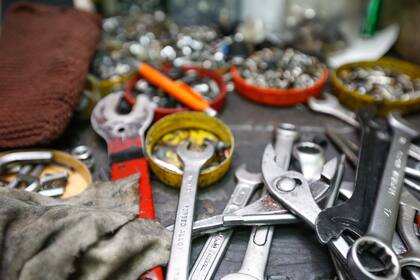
178 90
124 169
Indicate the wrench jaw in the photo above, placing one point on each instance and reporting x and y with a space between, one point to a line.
110 125
398 123
381 252
195 158
242 175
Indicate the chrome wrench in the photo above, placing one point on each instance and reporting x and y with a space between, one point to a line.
212 253
181 240
378 238
256 256
331 106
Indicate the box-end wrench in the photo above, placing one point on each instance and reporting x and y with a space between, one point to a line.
256 256
377 241
331 106
215 247
179 258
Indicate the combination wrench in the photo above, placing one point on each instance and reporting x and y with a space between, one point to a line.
179 258
258 250
212 253
376 241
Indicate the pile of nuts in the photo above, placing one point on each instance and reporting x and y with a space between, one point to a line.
276 68
381 83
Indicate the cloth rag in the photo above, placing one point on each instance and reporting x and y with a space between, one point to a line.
45 53
95 235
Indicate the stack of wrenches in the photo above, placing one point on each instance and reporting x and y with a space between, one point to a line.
299 194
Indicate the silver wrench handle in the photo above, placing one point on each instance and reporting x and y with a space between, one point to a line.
181 243
210 256
379 235
259 244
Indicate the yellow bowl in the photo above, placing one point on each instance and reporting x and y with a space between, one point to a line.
356 100
188 120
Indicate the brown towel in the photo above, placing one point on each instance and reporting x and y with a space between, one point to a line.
44 57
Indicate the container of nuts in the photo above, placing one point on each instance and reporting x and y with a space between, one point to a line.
279 77
387 84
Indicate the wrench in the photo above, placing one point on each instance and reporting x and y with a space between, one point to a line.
181 240
378 237
354 214
256 256
210 256
264 211
331 106
124 135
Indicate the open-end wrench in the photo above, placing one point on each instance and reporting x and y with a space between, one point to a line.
179 258
354 214
124 135
377 240
259 244
210 256
331 106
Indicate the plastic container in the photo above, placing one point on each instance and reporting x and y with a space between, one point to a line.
274 96
355 100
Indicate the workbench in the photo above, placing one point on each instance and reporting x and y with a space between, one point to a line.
295 251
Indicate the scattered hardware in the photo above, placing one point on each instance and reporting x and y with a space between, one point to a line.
381 83
386 84
47 172
276 68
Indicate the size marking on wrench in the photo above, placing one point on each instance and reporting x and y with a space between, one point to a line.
181 239
211 254
378 238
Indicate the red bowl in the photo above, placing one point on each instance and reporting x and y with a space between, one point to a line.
160 112
274 96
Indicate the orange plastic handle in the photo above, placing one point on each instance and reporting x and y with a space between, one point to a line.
185 96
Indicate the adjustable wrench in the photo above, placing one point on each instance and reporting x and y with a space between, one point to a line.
124 135
354 214
378 238
181 240
256 256
210 256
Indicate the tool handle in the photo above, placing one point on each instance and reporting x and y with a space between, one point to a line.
146 209
173 88
126 168
256 256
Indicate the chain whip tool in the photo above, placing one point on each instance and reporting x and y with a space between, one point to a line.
215 247
256 256
181 240
378 237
